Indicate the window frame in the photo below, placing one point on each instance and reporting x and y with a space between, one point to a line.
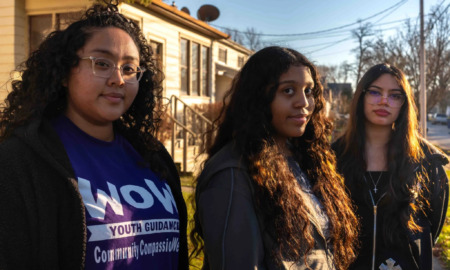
196 70
55 23
240 61
220 57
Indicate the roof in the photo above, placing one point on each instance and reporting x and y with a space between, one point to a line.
173 13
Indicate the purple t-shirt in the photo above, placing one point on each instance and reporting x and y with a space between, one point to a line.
131 216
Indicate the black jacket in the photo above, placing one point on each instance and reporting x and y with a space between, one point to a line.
42 220
233 228
416 250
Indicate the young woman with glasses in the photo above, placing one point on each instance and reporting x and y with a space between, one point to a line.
269 196
84 184
395 177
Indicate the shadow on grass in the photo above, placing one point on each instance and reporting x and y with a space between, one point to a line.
188 193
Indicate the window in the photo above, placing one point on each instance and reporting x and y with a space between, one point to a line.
194 68
204 77
42 25
63 20
241 61
157 57
223 55
184 64
157 49
195 82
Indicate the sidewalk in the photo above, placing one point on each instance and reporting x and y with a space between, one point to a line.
437 265
440 136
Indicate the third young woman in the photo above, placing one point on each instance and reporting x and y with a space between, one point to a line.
395 177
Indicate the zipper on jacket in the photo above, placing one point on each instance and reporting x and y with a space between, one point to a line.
375 210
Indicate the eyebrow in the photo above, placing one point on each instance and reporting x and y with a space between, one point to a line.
394 89
308 83
109 53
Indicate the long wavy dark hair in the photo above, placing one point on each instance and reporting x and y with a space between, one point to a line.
246 120
40 92
403 156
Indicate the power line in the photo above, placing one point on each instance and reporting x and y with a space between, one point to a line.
340 33
386 29
326 47
389 13
321 31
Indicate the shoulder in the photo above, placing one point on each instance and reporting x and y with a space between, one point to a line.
433 155
163 153
11 149
227 157
338 146
221 168
167 164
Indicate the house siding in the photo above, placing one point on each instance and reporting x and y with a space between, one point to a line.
12 40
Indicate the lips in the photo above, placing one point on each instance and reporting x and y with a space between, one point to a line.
381 112
113 97
299 118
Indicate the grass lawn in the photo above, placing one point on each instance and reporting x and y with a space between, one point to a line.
444 238
195 263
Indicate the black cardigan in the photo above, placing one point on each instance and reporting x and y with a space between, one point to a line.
42 215
416 250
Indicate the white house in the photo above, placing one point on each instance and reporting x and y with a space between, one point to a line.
198 60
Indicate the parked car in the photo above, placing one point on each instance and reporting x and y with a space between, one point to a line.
439 118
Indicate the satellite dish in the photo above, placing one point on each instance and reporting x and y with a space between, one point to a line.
185 10
208 13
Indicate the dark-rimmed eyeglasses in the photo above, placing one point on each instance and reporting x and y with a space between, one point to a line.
374 97
104 68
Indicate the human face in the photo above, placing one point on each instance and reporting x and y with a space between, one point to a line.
382 114
95 101
293 103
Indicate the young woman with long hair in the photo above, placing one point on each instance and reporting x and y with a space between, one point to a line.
84 184
395 177
269 196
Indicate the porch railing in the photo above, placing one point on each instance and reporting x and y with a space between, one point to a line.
188 126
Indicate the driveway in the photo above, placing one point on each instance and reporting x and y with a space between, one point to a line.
439 134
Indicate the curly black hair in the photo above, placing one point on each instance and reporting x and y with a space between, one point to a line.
41 91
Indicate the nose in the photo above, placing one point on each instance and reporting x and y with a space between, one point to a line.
383 100
301 100
116 78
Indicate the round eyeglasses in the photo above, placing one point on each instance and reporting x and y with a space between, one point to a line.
374 97
104 68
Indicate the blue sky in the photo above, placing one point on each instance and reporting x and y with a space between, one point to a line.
284 17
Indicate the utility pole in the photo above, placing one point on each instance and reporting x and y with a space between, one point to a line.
423 93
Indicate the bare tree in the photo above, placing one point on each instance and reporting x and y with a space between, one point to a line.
251 38
438 56
363 31
328 73
344 71
235 35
